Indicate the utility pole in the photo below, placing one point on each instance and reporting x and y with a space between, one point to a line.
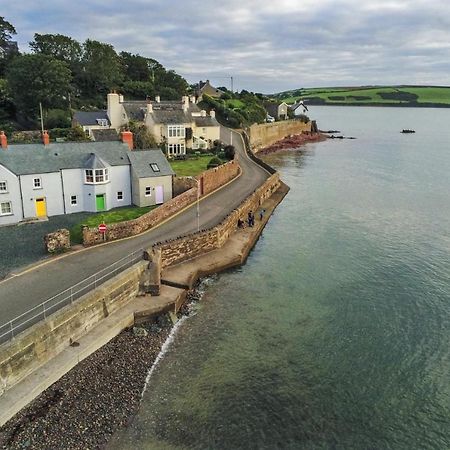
42 117
198 204
232 85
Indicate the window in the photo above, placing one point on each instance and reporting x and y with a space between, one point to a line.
120 195
73 200
3 187
154 167
96 176
37 184
102 122
176 131
176 149
5 208
148 191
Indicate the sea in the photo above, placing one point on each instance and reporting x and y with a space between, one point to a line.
336 332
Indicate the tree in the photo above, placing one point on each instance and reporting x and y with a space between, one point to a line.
142 137
136 67
58 46
138 89
38 78
8 48
101 68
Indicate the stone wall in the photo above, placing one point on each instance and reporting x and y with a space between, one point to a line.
40 343
58 241
219 176
187 247
183 184
212 179
267 134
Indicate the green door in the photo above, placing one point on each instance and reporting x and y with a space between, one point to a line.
100 202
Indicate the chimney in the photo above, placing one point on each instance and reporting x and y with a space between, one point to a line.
192 98
203 113
149 106
212 113
185 101
45 138
127 138
3 140
158 99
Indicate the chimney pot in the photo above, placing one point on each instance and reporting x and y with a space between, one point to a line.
158 99
3 140
203 113
127 138
45 138
212 113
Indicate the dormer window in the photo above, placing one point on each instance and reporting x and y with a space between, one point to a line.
102 122
96 176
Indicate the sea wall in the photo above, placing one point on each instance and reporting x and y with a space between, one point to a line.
36 346
266 134
210 180
187 247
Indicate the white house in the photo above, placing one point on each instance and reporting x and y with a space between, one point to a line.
40 180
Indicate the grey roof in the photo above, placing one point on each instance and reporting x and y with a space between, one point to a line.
135 110
24 159
272 108
100 135
141 160
177 116
207 121
95 162
85 118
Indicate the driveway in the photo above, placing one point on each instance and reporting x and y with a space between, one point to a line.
20 293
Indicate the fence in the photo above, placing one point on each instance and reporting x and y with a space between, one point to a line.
40 312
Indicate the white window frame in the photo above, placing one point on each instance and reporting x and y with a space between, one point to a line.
5 189
37 185
96 176
148 191
73 200
120 196
7 213
176 149
176 131
102 122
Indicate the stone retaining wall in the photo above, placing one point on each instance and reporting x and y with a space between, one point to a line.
182 184
187 247
212 180
267 134
43 341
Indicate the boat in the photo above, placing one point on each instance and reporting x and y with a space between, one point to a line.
408 131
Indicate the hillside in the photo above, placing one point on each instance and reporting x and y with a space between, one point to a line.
416 96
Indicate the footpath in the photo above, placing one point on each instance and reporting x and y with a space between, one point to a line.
177 280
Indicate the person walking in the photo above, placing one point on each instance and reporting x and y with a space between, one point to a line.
261 214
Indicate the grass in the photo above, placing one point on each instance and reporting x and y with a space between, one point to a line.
190 167
108 217
234 103
426 94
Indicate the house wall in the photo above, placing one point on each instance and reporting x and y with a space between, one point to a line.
13 196
283 110
51 190
139 185
208 133
73 181
115 111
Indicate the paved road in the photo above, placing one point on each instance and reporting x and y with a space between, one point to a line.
20 293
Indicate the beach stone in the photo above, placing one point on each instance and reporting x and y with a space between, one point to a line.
140 332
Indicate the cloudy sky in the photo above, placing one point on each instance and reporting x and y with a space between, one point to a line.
266 45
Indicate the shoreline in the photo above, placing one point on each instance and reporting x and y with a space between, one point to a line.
291 142
97 398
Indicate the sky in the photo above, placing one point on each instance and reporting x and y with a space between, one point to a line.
265 45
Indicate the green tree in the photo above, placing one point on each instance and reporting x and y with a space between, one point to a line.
138 89
136 67
38 78
59 46
101 69
142 137
8 48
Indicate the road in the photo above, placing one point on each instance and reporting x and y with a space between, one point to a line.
24 291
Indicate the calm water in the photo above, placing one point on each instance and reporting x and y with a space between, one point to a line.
336 333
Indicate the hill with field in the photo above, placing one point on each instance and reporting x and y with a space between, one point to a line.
412 96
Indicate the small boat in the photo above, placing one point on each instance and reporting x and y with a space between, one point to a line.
408 131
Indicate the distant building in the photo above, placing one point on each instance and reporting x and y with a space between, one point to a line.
40 180
91 121
204 87
278 111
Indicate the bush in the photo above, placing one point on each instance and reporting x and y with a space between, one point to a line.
57 118
214 162
229 152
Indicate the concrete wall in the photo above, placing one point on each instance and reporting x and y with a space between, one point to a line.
36 346
12 195
187 247
267 134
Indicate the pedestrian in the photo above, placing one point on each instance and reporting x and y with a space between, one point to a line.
240 223
249 218
261 214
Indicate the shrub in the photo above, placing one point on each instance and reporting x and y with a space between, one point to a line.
214 162
229 152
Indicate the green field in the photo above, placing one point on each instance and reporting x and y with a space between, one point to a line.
383 95
190 167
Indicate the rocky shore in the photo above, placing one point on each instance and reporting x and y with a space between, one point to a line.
293 141
96 398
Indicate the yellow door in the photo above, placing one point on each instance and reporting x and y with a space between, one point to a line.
41 207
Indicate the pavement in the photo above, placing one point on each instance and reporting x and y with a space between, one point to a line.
29 288
233 253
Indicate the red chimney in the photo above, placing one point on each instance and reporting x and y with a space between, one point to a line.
3 140
127 138
45 138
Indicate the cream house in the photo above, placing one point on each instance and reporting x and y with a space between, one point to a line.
178 125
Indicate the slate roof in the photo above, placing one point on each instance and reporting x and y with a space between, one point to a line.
207 121
85 118
177 116
26 159
108 135
141 160
135 110
272 109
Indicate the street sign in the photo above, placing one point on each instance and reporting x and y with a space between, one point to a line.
102 228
